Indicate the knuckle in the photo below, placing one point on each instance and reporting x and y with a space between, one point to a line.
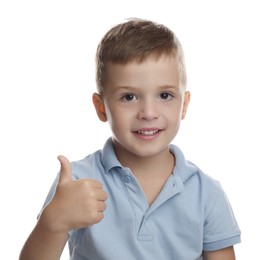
99 217
102 206
96 217
106 195
99 185
92 194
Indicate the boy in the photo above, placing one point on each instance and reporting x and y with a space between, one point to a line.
137 198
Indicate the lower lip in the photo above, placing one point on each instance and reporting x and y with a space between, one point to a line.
147 137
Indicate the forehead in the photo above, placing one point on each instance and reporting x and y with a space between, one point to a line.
152 71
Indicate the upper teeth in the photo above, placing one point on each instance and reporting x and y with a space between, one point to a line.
148 132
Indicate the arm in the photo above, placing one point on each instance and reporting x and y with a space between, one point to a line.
43 243
226 253
76 204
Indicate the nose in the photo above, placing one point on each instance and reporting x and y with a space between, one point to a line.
148 110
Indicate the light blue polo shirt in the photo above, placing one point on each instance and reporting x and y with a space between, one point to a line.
191 214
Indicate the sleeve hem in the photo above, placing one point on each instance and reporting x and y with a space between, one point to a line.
217 245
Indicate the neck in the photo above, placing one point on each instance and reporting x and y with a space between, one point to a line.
141 166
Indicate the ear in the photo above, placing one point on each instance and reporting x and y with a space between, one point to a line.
99 106
185 104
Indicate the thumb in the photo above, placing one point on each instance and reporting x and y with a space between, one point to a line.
66 169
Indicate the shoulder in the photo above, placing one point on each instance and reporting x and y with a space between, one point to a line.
220 227
99 162
86 167
190 172
209 188
197 184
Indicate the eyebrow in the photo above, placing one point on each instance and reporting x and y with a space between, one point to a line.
125 87
169 87
132 88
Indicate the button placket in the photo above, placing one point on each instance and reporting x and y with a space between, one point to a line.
136 198
127 178
173 187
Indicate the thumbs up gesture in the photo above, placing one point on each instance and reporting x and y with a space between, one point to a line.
76 203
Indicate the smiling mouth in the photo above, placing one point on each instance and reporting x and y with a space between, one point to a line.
147 132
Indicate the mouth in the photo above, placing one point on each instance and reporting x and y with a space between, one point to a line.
147 132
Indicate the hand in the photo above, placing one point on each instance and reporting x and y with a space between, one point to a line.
76 203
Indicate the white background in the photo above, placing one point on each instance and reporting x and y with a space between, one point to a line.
47 53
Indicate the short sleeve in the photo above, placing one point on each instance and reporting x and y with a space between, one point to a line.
51 192
220 226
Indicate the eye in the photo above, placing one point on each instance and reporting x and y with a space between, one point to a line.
129 97
166 96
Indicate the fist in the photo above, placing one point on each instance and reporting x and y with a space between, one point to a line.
76 203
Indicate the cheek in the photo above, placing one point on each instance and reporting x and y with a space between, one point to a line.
117 119
174 119
174 112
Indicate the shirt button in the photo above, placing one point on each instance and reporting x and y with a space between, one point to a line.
127 179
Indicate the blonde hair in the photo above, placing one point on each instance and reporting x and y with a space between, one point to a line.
134 41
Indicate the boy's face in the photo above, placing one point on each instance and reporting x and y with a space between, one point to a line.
143 104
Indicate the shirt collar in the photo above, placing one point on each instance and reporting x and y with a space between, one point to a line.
109 159
183 168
